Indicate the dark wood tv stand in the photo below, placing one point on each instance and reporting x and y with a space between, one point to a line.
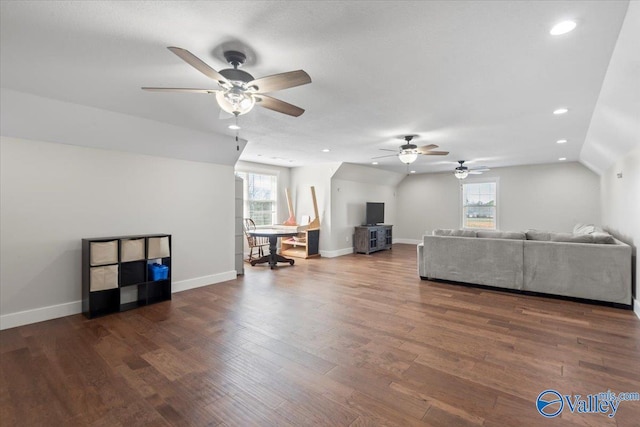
372 238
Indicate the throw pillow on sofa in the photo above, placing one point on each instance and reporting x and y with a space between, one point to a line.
586 229
571 238
442 232
603 238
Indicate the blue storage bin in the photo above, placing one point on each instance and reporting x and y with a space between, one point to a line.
158 272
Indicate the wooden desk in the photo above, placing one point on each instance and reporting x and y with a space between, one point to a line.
272 233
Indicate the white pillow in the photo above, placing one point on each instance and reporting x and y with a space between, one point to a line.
584 228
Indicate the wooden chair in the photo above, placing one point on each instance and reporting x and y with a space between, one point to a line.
252 241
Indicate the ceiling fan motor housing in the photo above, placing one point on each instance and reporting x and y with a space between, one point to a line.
408 147
233 74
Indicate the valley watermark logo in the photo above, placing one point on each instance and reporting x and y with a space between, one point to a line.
550 403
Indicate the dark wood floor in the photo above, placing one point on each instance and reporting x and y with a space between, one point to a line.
350 341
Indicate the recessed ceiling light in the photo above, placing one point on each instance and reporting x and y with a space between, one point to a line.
562 28
234 127
413 171
561 141
374 163
562 159
560 111
326 150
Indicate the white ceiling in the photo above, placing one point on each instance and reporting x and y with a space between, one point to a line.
478 78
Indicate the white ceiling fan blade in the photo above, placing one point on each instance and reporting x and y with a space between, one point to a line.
199 65
425 148
280 81
278 105
388 155
472 172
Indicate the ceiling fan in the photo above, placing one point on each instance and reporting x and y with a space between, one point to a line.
461 172
239 91
408 152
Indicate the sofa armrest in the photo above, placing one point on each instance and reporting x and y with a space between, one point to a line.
420 251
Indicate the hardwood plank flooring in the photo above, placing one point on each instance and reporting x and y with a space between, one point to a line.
357 340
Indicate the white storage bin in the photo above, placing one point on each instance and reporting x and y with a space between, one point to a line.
103 278
131 250
158 247
104 253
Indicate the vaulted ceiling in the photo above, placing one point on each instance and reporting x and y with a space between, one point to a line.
479 79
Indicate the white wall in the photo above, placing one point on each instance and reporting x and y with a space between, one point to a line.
614 129
547 197
53 195
318 176
621 205
352 186
341 201
348 201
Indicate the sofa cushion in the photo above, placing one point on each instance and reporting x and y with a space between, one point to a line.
603 238
490 234
464 233
571 238
538 235
595 272
492 262
442 232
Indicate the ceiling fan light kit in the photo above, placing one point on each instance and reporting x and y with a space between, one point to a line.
239 92
235 101
408 156
461 174
461 171
409 152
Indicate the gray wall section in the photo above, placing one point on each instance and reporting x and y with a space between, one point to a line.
53 195
547 197
348 203
621 204
319 177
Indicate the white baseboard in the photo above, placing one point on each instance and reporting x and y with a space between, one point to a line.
408 241
198 282
336 253
636 308
41 314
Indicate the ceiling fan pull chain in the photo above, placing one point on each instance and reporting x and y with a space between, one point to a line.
237 131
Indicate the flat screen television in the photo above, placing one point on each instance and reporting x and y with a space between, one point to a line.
375 213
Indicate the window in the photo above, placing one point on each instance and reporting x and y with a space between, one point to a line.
479 205
260 197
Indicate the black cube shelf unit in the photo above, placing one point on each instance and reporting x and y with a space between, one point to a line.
116 272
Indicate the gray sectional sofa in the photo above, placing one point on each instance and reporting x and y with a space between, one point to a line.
592 266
